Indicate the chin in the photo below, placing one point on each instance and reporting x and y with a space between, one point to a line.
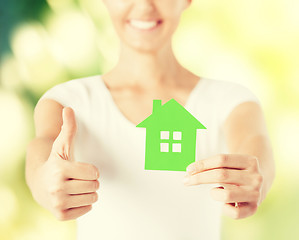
145 46
144 49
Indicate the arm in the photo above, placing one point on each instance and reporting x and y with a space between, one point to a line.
48 122
246 133
64 187
247 172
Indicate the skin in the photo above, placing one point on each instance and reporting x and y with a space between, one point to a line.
247 173
147 69
58 183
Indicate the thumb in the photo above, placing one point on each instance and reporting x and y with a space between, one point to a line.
63 144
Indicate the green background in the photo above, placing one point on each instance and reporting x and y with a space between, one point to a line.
254 43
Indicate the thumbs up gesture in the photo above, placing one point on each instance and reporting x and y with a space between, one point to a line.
68 188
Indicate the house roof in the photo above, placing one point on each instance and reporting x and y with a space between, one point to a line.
171 115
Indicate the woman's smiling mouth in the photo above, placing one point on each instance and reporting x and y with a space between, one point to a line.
144 25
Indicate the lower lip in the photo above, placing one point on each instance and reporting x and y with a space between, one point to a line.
146 30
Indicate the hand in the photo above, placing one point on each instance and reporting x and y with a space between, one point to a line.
239 176
65 187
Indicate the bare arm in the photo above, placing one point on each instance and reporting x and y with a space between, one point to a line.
58 183
47 122
247 172
246 133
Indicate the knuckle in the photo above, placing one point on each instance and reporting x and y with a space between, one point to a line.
236 214
228 196
58 204
58 173
253 162
96 185
55 190
88 168
256 195
222 159
257 182
95 197
199 165
222 175
93 185
260 179
61 215
254 208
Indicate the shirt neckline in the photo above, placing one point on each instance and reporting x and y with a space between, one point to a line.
125 119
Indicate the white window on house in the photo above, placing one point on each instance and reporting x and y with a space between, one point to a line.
176 147
177 135
164 134
164 147
174 141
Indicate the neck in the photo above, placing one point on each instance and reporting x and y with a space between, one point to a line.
149 69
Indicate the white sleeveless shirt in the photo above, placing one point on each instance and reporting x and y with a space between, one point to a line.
138 204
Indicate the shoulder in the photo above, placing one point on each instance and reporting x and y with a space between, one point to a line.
231 91
224 96
76 86
73 93
78 82
223 87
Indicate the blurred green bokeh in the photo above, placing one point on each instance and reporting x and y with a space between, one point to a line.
44 43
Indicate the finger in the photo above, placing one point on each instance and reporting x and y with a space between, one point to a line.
242 211
79 200
236 161
73 213
232 195
81 186
64 142
81 171
220 176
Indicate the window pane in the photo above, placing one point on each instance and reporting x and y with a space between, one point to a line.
164 134
176 147
164 147
177 135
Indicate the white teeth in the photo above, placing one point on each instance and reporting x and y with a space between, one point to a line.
143 24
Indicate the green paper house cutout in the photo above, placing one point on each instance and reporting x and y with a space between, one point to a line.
170 137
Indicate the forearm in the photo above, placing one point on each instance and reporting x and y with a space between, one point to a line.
260 146
38 151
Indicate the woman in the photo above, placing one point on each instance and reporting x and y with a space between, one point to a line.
92 120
